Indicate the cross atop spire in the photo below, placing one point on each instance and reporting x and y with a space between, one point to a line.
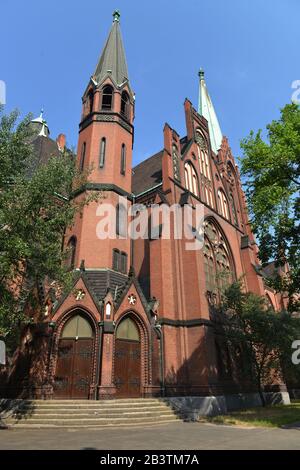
207 110
117 16
112 61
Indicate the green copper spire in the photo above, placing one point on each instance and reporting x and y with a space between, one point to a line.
207 110
113 61
117 16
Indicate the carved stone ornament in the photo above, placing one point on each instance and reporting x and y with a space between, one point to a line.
132 299
79 294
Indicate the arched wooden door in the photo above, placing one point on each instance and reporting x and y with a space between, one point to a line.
74 361
127 360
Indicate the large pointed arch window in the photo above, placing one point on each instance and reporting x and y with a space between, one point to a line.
218 265
107 98
223 204
191 179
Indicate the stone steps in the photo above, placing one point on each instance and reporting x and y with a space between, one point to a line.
85 414
74 414
128 424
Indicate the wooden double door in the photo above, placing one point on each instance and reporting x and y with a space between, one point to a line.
128 368
73 370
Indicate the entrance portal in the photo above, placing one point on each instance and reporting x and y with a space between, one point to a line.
74 362
128 360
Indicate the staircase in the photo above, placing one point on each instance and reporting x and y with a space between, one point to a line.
92 414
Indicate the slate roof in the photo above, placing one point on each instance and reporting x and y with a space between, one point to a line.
147 174
112 59
271 270
101 281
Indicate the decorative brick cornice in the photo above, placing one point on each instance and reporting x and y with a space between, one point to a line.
103 187
106 117
185 323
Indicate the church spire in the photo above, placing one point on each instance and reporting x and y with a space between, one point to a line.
207 110
112 61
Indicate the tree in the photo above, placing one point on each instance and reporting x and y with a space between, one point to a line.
265 337
36 207
272 169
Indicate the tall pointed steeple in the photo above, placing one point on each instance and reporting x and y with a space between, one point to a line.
207 110
112 60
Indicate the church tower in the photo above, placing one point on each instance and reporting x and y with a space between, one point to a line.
105 150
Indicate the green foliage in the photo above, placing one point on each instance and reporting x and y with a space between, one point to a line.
36 206
272 169
271 416
264 336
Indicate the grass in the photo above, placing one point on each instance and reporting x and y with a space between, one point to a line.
270 416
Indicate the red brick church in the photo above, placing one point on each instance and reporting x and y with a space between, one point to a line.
139 319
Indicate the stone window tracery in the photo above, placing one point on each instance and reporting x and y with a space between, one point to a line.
219 272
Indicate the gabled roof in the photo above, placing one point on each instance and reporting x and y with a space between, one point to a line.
97 283
147 174
112 60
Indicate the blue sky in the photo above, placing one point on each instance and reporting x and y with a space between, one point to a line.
248 48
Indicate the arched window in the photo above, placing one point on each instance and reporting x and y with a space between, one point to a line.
209 266
123 263
71 253
234 213
82 157
77 327
205 171
90 101
176 164
102 152
107 98
128 331
231 172
223 204
203 155
219 271
116 260
223 267
204 164
125 104
191 179
108 310
120 261
123 159
121 221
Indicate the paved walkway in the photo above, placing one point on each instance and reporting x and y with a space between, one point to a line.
182 436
